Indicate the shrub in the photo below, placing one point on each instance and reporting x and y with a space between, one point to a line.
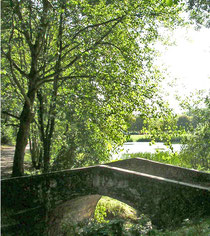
7 135
196 148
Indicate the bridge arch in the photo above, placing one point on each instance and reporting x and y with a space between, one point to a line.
73 211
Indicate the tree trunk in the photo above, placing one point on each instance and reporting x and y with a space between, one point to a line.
46 135
47 147
22 137
36 153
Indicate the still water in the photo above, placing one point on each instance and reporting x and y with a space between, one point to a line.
136 147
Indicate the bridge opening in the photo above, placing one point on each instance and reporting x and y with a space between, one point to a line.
80 212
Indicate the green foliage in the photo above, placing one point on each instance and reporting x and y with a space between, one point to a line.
100 214
164 157
142 226
136 124
163 125
81 68
7 135
92 228
10 109
189 228
84 144
184 122
196 146
199 12
186 158
112 217
112 228
139 138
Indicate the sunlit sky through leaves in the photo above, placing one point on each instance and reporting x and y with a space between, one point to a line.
187 63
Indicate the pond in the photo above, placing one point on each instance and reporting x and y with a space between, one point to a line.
136 147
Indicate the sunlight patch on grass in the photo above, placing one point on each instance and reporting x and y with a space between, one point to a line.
109 208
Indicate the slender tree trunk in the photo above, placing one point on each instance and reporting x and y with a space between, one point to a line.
36 153
47 147
46 135
47 141
22 137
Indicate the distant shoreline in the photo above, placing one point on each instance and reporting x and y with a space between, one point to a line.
145 138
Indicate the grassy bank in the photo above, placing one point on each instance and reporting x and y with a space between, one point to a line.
163 157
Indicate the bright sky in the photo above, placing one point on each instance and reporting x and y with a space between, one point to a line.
188 62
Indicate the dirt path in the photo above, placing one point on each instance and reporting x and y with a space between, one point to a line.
7 154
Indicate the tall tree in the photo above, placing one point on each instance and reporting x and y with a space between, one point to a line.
136 124
196 148
199 12
183 121
99 49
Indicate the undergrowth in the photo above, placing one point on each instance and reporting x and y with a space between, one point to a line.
176 159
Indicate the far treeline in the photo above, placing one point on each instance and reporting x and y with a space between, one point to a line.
74 72
184 122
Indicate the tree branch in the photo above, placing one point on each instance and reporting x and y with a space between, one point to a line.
25 32
8 56
65 78
15 125
9 114
62 57
47 78
43 25
20 87
95 25
11 68
113 45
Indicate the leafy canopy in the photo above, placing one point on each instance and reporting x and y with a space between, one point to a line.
91 61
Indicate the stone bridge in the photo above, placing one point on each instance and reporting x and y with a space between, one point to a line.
167 194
